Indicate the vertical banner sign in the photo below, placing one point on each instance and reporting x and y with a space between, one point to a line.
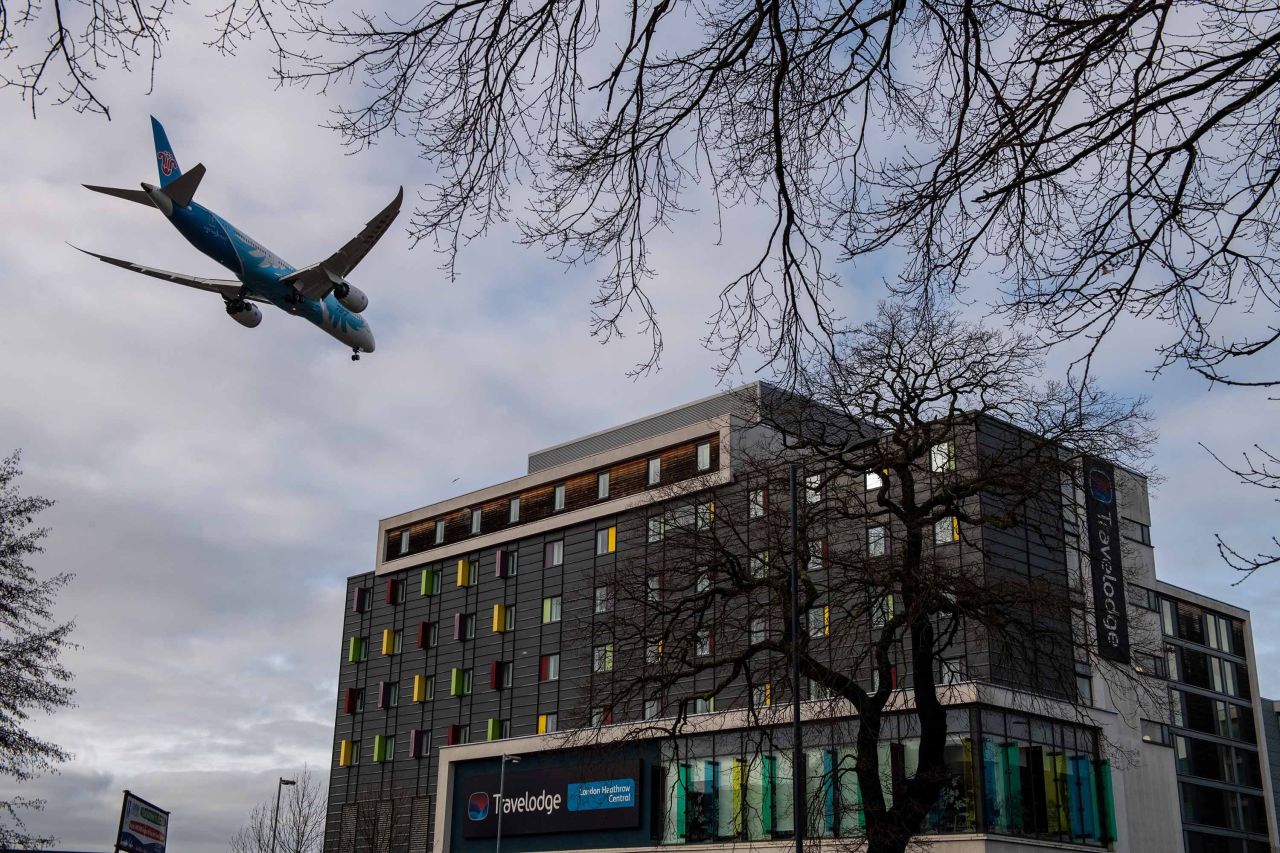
1111 618
143 826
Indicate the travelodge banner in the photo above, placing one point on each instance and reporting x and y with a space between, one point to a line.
536 800
1110 616
143 826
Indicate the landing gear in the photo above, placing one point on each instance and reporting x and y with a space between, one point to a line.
355 353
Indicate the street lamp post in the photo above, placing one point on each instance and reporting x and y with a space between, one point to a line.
275 817
502 779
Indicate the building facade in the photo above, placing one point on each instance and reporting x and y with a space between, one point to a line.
488 625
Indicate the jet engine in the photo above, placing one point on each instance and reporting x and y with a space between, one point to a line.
351 297
243 312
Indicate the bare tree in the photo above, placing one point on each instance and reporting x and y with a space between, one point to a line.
936 480
301 824
32 675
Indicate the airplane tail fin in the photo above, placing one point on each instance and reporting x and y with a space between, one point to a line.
165 161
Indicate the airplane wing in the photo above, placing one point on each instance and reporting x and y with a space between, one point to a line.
226 288
317 280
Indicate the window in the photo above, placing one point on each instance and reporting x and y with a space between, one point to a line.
460 682
558 499
702 581
428 634
877 541
893 679
419 743
1084 690
424 688
1217 632
1150 665
882 611
654 584
464 626
814 690
548 723
440 532
819 621
358 649
603 599
702 647
466 572
759 564
353 702
513 511
395 591
656 528
942 457
504 618
817 550
704 705
391 642
951 671
602 658
504 674
762 695
553 554
1155 732
602 485
759 503
359 599
706 513
497 729
756 631
458 734
946 530
874 481
704 456
388 694
506 563
1140 596
601 717
549 668
651 709
348 753
813 488
653 651
655 471
384 747
430 582
550 609
475 521
606 540
404 541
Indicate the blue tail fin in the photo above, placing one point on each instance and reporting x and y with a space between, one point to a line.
165 161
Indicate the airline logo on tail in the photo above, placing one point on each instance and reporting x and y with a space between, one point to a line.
167 162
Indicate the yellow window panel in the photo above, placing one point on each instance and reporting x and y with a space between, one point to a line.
344 754
542 724
419 688
826 621
464 572
613 539
499 618
388 641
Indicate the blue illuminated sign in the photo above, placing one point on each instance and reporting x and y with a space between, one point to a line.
611 794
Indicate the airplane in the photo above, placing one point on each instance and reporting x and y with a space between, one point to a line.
319 293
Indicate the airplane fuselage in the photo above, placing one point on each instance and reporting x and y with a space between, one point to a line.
260 270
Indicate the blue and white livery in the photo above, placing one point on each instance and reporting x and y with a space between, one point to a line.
319 293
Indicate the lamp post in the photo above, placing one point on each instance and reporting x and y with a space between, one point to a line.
799 809
502 779
275 817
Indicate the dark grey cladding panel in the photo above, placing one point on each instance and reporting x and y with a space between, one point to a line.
739 400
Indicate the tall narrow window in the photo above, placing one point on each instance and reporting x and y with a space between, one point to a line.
952 671
391 642
513 511
704 456
655 471
654 584
762 695
404 541
460 682
558 500
606 540
466 572
603 599
942 457
440 531
395 591
348 753
882 611
360 599
656 528
430 582
419 743
602 658
877 541
817 549
424 687
550 609
819 621
548 723
759 564
384 747
358 649
756 629
759 503
601 717
475 521
946 530
653 651
702 643
549 668
554 553
602 485
813 488
874 481
651 709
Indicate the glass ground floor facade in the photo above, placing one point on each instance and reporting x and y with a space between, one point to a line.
1007 773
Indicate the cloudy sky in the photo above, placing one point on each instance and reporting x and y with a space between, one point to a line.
216 485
